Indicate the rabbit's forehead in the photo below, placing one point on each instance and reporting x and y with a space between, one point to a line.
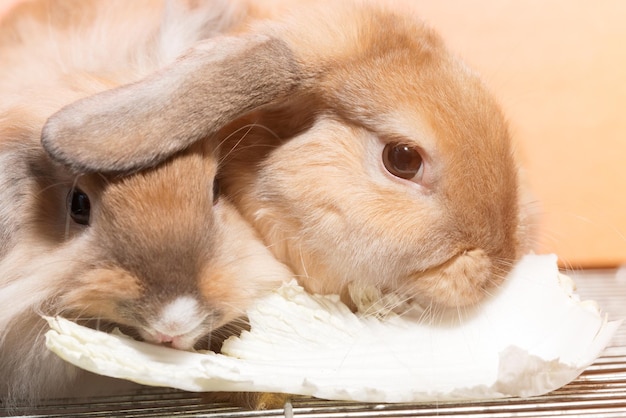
161 210
179 182
444 114
433 100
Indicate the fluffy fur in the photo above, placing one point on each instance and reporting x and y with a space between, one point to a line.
157 240
306 165
309 172
304 106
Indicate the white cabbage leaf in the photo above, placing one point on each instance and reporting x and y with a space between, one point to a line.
531 336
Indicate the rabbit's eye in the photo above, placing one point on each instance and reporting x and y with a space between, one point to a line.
402 160
216 190
79 206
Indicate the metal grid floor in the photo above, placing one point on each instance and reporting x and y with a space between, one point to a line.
599 392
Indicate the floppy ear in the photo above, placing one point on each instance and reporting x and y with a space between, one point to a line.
140 124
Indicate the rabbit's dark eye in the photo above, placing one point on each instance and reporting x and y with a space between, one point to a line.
216 190
402 160
79 206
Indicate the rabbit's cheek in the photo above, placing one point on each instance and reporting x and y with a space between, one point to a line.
101 292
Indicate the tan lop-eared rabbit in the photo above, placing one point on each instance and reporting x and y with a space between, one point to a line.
364 153
156 252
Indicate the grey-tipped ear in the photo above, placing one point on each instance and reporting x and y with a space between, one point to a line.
140 124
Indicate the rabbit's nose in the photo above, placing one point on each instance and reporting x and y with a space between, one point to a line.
180 323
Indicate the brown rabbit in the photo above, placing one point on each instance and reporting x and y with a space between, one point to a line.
376 159
157 252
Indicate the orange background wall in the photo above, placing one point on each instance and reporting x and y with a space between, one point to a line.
559 69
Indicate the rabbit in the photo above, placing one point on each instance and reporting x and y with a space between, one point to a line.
378 159
156 251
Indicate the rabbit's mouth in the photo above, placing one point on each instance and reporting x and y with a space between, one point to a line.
198 341
462 280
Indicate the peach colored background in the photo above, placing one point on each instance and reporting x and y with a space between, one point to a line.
559 69
5 5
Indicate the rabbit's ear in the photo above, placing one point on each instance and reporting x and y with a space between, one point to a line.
139 125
